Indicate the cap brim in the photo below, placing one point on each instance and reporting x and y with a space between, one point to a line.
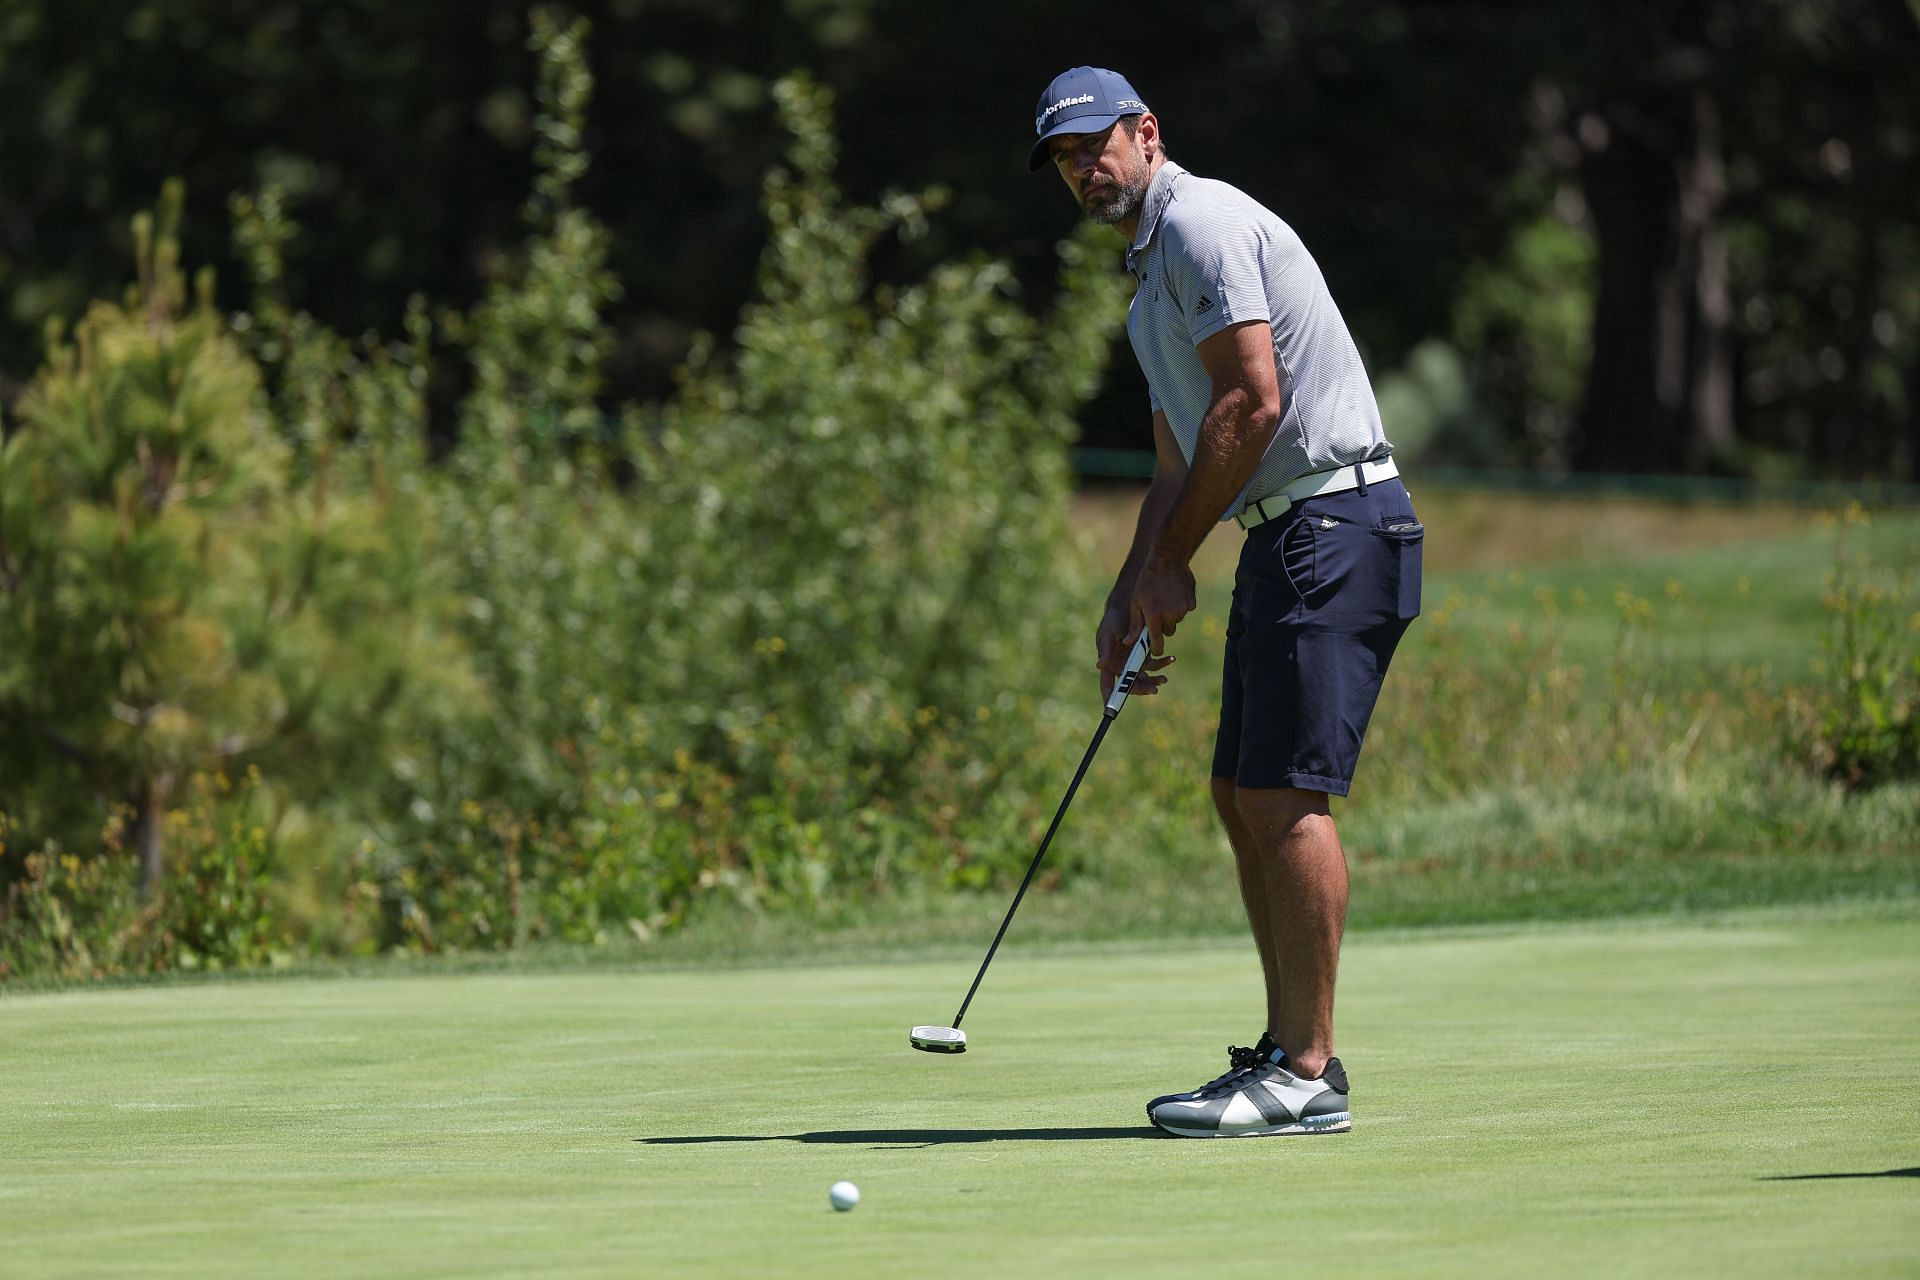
1038 159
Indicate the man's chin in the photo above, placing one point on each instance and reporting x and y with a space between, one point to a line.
1110 212
1106 208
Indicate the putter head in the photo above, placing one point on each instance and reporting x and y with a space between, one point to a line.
938 1039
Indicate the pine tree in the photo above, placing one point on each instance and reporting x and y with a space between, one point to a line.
182 592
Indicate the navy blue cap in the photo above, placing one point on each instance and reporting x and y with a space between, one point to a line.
1083 100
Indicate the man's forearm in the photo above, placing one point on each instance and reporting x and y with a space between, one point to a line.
1232 439
1161 495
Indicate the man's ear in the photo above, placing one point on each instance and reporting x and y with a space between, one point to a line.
1149 131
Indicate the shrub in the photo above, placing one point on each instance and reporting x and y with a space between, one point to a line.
1863 726
79 914
776 639
740 643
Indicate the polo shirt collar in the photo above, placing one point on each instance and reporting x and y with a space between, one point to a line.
1159 194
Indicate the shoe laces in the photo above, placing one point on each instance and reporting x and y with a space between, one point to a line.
1243 1060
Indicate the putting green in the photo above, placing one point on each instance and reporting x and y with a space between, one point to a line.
1682 1096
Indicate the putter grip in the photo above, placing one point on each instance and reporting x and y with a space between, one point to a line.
1135 660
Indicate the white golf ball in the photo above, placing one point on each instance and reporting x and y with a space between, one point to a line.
844 1195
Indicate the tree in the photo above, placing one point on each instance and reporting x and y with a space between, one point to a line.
1749 172
176 595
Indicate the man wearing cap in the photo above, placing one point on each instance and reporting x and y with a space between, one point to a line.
1262 415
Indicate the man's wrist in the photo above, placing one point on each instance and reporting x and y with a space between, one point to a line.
1162 556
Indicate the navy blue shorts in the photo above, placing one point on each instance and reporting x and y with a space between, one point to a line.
1321 597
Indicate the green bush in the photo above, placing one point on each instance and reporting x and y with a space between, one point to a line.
781 637
1863 726
757 642
785 637
81 915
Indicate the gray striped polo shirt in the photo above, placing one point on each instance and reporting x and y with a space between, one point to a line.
1207 256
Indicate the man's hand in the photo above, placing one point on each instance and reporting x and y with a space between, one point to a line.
1113 643
1162 595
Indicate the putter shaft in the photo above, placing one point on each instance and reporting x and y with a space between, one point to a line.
1106 721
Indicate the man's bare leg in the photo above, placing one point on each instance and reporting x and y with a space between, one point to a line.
1305 876
1253 893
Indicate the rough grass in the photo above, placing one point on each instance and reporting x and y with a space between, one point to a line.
1478 531
1730 584
1719 1096
1608 729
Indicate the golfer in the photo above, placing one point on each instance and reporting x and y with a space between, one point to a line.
1262 415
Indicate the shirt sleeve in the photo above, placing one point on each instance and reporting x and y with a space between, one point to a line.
1215 270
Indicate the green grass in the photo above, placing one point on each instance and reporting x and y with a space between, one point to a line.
1535 753
1728 585
1725 1095
1753 603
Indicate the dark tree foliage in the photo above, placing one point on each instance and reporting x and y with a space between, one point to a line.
1750 170
1744 170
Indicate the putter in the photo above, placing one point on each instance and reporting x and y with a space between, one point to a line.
952 1039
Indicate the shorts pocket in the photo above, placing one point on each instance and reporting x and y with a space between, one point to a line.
1297 555
1279 571
1405 535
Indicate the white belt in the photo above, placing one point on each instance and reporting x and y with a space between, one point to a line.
1338 480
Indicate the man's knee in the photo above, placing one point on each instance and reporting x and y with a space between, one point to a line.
1277 810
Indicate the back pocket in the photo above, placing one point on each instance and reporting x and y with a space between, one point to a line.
1406 536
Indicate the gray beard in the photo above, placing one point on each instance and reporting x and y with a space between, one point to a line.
1117 202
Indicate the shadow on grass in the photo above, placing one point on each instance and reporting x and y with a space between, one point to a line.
1823 1177
916 1137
